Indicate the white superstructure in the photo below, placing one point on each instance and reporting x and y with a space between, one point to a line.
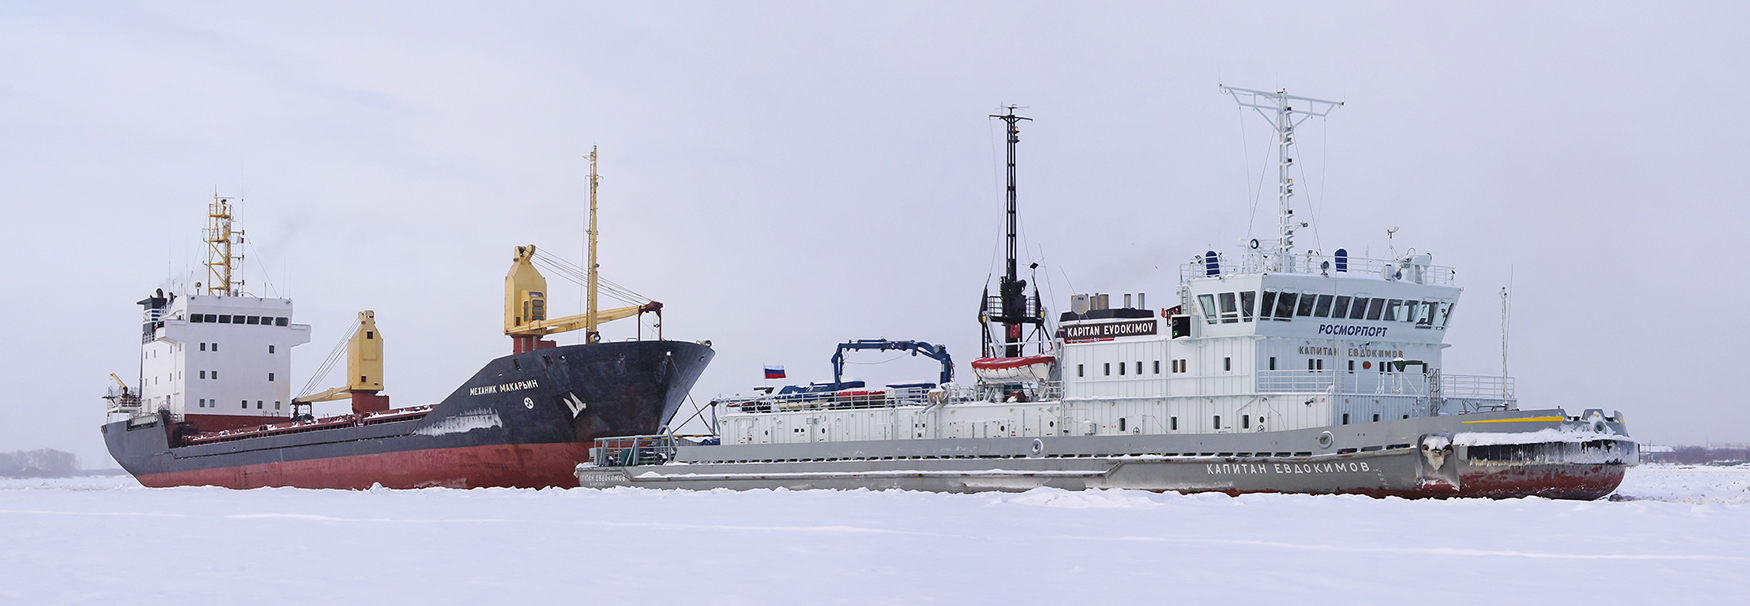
224 358
1267 339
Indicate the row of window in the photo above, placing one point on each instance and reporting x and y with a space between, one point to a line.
1179 366
214 374
230 319
208 403
1245 422
1231 308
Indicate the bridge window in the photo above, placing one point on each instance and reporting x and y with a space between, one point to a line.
1424 314
1208 304
1306 305
1285 305
1375 308
1340 308
1442 313
1230 312
1323 308
1246 305
1267 307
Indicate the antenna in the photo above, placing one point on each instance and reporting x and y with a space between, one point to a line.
1391 249
1506 320
224 256
1276 107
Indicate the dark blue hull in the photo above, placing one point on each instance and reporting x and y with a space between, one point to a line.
523 420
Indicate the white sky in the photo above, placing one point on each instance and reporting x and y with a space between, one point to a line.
788 176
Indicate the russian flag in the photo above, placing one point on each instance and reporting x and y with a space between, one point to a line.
774 372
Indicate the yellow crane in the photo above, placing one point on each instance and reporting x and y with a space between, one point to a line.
525 294
364 370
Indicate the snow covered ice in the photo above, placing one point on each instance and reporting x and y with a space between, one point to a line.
1680 534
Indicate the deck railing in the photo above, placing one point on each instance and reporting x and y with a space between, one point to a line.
888 398
1260 261
1482 387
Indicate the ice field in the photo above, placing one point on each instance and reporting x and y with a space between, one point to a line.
1682 534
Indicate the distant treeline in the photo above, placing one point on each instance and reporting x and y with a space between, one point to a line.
1697 455
43 463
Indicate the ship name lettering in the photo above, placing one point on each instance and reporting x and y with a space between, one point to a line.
1314 350
1352 330
492 389
1375 353
1302 468
1113 329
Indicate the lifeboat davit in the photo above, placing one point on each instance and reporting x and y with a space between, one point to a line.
1028 369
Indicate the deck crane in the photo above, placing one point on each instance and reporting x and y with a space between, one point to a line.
364 371
938 353
525 295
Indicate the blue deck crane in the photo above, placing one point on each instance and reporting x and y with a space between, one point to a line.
935 352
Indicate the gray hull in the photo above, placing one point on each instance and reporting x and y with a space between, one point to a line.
1500 455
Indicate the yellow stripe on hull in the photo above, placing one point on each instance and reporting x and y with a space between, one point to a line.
1521 420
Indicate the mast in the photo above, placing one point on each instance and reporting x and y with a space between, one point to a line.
224 265
1011 292
590 322
1276 108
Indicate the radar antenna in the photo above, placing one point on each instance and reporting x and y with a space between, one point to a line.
1283 116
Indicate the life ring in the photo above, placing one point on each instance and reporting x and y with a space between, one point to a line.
1038 446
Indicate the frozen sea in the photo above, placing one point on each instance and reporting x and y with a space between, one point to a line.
1678 534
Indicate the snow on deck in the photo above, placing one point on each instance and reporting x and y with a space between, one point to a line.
1685 532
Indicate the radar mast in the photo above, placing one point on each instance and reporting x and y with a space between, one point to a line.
1011 307
1277 108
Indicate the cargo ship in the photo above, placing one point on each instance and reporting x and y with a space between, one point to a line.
214 405
1269 370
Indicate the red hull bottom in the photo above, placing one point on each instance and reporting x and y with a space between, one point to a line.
503 465
1564 481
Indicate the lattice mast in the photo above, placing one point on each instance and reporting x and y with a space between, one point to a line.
224 250
1011 308
1276 107
591 319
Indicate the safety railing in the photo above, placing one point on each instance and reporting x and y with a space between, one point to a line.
854 398
1296 381
1260 261
632 451
1484 387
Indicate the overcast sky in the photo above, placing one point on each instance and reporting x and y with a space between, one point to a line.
785 176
